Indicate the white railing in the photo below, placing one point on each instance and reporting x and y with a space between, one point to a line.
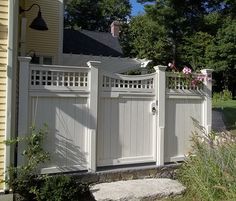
179 82
58 77
135 83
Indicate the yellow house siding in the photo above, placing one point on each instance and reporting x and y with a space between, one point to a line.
44 42
3 65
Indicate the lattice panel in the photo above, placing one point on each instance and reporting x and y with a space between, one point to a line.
177 82
134 84
59 78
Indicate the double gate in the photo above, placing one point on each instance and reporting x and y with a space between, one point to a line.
94 118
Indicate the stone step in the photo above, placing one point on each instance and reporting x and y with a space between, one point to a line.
7 197
128 173
137 190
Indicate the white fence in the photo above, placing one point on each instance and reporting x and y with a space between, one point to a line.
100 119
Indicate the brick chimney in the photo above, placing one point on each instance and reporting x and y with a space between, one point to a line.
115 28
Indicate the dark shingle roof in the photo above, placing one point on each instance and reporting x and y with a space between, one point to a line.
91 43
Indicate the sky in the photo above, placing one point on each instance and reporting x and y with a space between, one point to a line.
136 8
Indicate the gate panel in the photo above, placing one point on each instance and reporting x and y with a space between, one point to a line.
66 139
125 121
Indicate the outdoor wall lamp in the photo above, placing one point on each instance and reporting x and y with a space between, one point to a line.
38 23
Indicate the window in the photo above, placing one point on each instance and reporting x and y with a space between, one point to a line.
47 60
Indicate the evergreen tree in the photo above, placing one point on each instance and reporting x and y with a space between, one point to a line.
95 15
143 38
221 53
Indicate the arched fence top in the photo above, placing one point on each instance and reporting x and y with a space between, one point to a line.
141 83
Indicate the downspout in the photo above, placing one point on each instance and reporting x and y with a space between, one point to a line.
12 49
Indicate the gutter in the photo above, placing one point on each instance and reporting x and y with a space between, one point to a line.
12 49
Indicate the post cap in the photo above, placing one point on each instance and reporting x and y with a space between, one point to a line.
93 63
160 68
207 71
24 59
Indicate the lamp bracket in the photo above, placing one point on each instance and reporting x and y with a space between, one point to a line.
25 10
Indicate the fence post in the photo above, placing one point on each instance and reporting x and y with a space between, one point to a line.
207 105
160 96
23 121
93 108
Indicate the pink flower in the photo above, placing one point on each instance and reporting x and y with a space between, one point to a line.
187 70
200 78
170 65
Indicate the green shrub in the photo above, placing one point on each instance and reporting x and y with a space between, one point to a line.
210 172
61 188
216 97
224 95
27 181
24 179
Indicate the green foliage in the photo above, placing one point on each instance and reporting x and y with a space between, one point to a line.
195 49
210 173
95 14
143 38
221 53
61 188
27 181
225 95
169 23
200 34
23 179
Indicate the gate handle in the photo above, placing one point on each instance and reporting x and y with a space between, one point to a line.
153 108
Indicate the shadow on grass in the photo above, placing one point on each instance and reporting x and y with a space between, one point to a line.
229 117
87 197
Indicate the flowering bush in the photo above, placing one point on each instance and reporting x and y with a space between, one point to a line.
191 80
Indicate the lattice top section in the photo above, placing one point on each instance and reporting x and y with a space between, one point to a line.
184 83
109 82
59 78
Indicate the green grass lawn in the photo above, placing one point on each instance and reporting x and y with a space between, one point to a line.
229 113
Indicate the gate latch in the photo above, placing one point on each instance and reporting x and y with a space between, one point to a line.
153 108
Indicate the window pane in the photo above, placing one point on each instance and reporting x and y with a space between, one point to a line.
47 60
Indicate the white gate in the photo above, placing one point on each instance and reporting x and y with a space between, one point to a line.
126 123
101 119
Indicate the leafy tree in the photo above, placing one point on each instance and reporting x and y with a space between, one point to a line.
169 21
95 14
194 49
221 53
143 38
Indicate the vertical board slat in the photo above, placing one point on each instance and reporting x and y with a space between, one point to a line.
134 120
107 129
114 128
126 133
100 138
